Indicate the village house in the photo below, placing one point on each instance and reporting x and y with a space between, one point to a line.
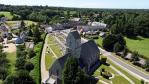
86 53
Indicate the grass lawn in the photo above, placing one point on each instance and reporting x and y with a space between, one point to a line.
54 46
27 22
56 49
49 59
99 41
116 80
7 14
141 45
12 60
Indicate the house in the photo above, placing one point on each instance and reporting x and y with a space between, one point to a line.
57 26
21 39
86 28
99 24
23 35
4 30
3 19
87 55
142 61
128 56
18 41
75 19
29 45
1 39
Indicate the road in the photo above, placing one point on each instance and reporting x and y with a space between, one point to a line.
44 72
130 69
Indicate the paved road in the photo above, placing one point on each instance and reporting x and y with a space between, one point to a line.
44 72
130 69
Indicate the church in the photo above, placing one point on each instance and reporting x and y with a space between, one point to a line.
86 53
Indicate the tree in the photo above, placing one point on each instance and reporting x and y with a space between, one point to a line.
20 62
73 74
135 56
108 42
30 33
36 34
29 66
31 53
22 25
20 77
118 47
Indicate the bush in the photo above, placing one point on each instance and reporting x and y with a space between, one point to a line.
142 81
106 74
31 53
3 73
103 59
135 56
21 77
29 66
20 62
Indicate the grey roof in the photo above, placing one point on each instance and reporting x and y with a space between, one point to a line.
19 41
58 66
88 50
75 34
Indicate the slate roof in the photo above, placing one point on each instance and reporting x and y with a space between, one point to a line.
3 28
75 34
56 69
88 51
19 41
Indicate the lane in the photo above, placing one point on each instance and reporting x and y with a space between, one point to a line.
44 72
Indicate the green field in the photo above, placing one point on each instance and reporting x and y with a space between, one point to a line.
7 15
140 44
27 22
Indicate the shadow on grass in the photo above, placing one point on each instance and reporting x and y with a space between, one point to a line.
135 38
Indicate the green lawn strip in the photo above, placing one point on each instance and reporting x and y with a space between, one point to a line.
49 59
130 63
35 73
141 45
12 61
137 81
116 80
99 41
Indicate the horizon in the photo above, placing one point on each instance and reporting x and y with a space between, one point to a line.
113 4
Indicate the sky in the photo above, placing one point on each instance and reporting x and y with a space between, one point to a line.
124 4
